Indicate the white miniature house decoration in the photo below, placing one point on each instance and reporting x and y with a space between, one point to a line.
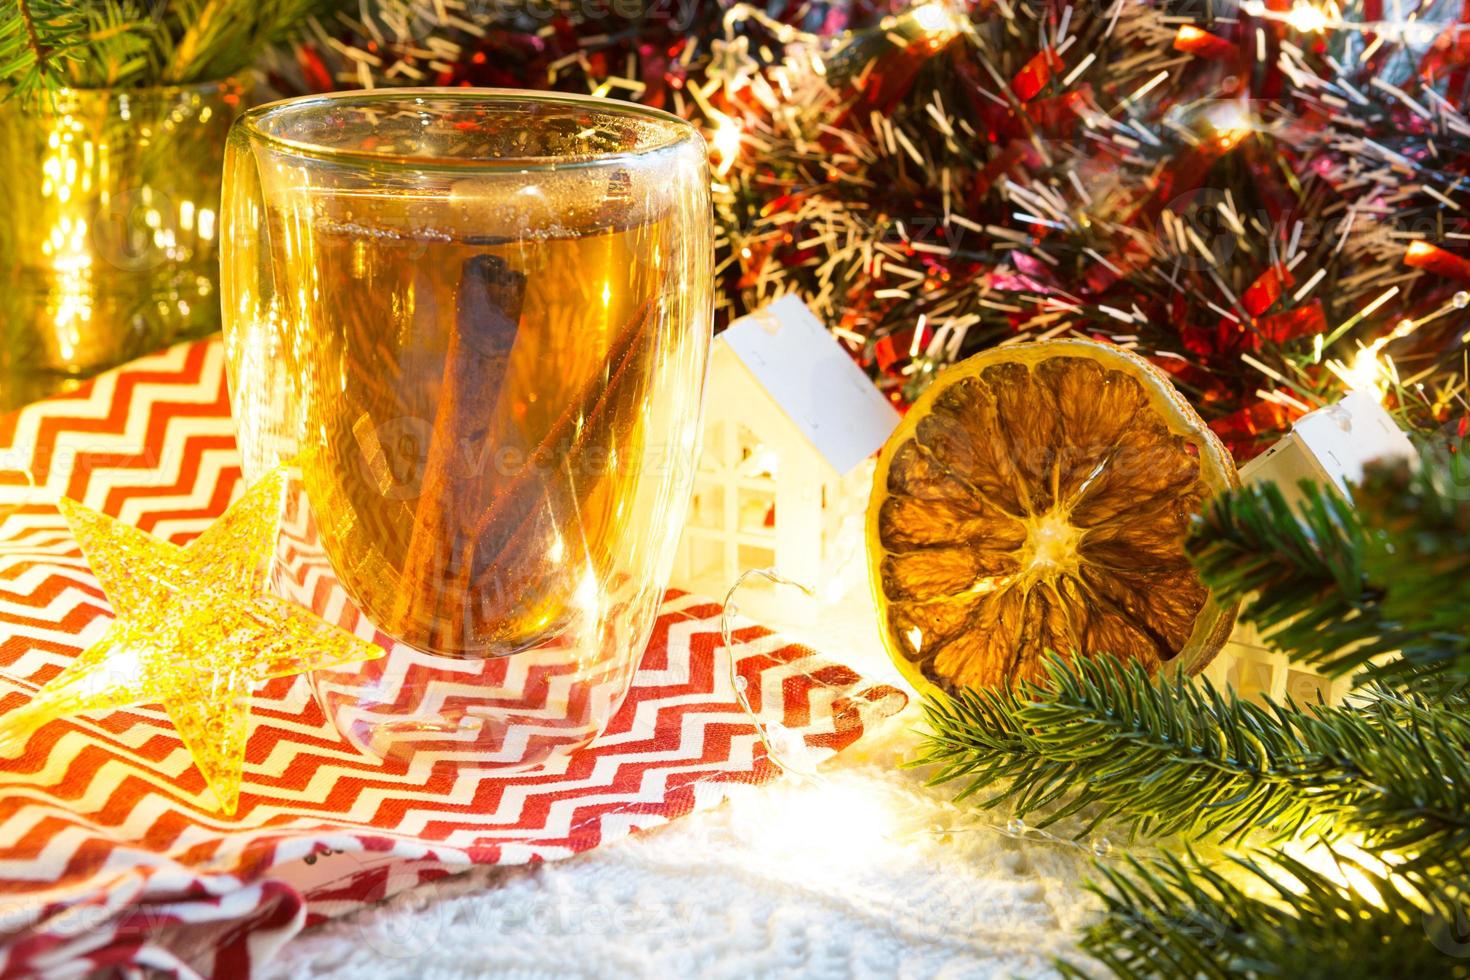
1329 447
790 425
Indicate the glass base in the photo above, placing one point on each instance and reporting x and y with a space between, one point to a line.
520 711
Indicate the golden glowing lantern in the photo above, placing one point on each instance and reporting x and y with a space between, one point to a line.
111 200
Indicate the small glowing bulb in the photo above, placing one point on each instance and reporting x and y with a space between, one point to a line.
935 17
819 828
1231 121
725 141
1366 374
1306 18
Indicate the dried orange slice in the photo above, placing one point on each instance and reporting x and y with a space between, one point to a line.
1036 499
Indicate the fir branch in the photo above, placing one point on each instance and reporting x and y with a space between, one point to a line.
36 42
1101 736
1380 587
1300 572
1161 758
215 40
1274 916
39 50
49 44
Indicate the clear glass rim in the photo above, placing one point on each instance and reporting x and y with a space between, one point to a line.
682 131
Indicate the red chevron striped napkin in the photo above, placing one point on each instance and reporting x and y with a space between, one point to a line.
111 857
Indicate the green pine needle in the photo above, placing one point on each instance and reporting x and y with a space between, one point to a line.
1378 588
49 44
1102 739
1274 916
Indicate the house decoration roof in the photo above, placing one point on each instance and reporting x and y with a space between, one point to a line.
813 380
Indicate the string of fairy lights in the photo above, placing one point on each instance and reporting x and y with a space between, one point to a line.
788 752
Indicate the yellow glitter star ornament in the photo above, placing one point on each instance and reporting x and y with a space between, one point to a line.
195 630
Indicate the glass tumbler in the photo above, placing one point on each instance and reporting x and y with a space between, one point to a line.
473 324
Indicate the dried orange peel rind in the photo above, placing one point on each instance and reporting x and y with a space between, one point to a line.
1036 499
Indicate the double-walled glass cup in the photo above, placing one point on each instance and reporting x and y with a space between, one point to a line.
473 324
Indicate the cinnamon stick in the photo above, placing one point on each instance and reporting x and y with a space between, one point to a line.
434 600
505 534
